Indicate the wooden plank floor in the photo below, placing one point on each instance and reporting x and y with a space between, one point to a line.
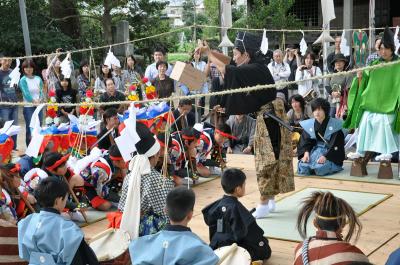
381 224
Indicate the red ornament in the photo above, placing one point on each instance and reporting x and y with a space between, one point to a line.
151 95
51 113
89 93
52 92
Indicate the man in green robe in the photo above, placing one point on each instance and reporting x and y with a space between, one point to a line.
374 102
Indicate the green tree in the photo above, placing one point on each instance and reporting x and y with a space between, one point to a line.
44 37
191 17
274 15
212 13
146 19
66 14
91 24
107 12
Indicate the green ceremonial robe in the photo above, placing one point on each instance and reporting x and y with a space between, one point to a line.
378 92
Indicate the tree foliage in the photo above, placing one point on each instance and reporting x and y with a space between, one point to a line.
189 17
44 37
75 24
212 13
274 15
146 19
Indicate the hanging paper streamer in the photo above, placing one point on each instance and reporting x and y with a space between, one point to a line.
396 41
15 75
303 45
328 10
37 138
328 13
65 65
128 135
344 48
111 59
264 43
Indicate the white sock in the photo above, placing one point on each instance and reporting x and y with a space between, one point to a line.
354 155
271 205
261 211
383 157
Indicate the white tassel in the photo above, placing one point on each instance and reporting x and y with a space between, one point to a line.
264 43
344 48
15 75
111 59
66 69
303 45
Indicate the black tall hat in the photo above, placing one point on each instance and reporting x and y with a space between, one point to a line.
247 42
147 145
388 39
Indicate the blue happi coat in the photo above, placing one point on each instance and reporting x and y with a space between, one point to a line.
174 245
47 238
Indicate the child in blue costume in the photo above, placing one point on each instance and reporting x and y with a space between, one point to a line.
321 147
176 244
46 237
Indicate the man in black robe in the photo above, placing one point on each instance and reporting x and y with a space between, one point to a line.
272 142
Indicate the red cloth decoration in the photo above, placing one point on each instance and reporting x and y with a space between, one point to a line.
5 150
21 205
97 201
114 219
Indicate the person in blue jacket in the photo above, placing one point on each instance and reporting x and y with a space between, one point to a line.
47 237
176 244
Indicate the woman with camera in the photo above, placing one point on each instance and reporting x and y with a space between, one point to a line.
308 89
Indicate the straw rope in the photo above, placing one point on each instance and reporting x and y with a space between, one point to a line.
183 28
288 30
219 93
104 46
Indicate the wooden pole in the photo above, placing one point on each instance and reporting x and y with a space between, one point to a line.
76 200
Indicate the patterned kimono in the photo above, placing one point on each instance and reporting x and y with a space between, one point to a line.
153 194
273 152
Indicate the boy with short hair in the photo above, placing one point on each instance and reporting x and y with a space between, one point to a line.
230 222
176 244
213 143
46 237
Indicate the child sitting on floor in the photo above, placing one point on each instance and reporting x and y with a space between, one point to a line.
179 244
328 245
48 238
321 147
230 222
213 142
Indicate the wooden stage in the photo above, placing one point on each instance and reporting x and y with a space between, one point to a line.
381 225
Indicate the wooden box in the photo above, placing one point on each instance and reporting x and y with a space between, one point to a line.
219 58
188 75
